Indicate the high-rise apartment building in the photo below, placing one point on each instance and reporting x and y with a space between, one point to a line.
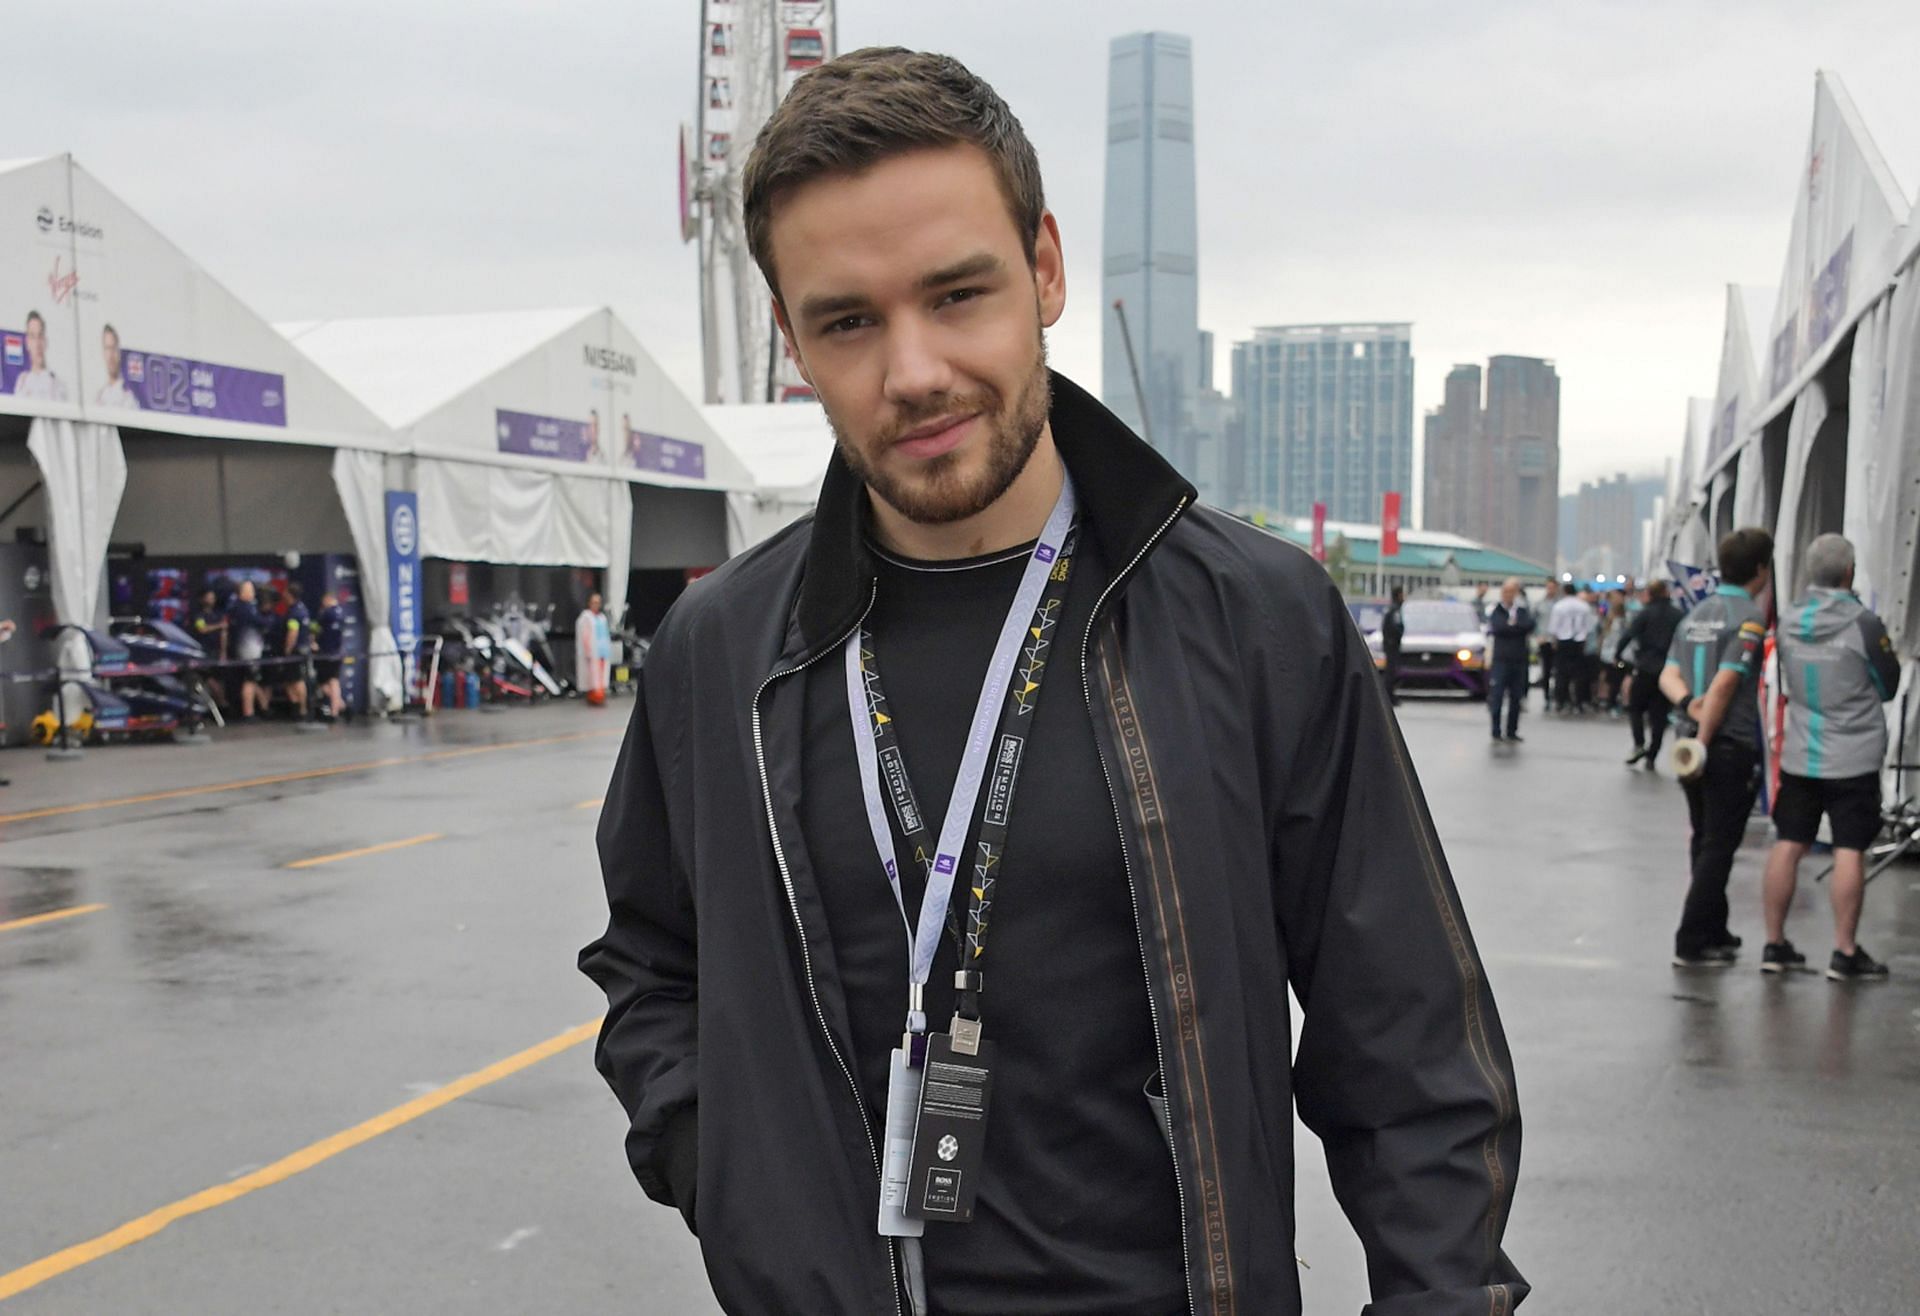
1150 256
1455 460
1492 469
1522 426
1327 415
1600 524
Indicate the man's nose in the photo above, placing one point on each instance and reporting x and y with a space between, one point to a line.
917 367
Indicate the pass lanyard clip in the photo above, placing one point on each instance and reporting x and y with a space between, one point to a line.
1027 628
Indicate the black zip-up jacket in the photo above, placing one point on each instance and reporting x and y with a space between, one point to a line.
1510 627
1651 634
1273 832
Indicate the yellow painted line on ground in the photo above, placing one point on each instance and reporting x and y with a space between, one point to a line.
38 919
381 848
593 803
134 1231
188 792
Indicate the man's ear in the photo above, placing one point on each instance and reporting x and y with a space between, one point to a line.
1049 271
793 348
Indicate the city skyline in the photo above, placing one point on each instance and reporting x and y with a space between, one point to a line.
1370 170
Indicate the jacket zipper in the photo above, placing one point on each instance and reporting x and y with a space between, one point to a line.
793 904
1113 796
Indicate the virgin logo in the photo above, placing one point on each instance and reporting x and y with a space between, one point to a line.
62 285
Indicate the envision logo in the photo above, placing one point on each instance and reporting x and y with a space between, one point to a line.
46 221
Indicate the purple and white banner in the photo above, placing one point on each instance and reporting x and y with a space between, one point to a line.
546 436
655 452
181 386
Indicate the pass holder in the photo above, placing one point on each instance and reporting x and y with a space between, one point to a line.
903 1109
949 1137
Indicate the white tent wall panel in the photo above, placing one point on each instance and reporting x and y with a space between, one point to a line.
85 474
361 480
1866 408
470 512
1809 415
1897 502
619 499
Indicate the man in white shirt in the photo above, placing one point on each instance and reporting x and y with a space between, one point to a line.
114 392
38 382
1571 621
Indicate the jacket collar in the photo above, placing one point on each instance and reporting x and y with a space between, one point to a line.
1126 491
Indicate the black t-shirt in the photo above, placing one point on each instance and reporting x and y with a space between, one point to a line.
1078 1212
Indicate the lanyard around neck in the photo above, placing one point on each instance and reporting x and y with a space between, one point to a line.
1028 625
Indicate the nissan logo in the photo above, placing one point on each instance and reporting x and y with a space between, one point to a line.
403 530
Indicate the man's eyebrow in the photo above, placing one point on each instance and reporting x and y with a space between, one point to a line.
977 266
815 306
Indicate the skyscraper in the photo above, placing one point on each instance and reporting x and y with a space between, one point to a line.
1522 426
1150 245
1493 471
1456 460
1327 411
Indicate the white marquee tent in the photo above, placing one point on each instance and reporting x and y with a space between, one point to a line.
155 402
535 436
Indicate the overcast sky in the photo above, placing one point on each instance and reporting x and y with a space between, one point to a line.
1577 181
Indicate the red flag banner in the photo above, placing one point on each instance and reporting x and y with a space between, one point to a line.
1390 525
1319 532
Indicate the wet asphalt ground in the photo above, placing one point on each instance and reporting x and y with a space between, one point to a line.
238 1080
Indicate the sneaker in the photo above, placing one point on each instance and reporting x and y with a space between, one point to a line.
1515 737
1497 737
1712 957
1729 942
1850 968
1636 756
1781 957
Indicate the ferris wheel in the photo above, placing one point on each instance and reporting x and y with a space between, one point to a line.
751 51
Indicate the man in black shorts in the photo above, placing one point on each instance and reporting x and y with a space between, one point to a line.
1837 667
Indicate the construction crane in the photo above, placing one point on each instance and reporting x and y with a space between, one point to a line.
1133 367
751 51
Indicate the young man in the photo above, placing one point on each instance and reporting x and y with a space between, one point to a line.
1141 744
1509 624
1837 667
1711 672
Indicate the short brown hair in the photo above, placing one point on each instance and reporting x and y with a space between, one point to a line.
1743 553
867 106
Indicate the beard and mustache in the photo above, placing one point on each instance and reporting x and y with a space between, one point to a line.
941 491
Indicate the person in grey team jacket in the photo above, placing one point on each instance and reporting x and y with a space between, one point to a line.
1837 667
1214 804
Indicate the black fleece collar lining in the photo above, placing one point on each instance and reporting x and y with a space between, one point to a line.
1126 491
